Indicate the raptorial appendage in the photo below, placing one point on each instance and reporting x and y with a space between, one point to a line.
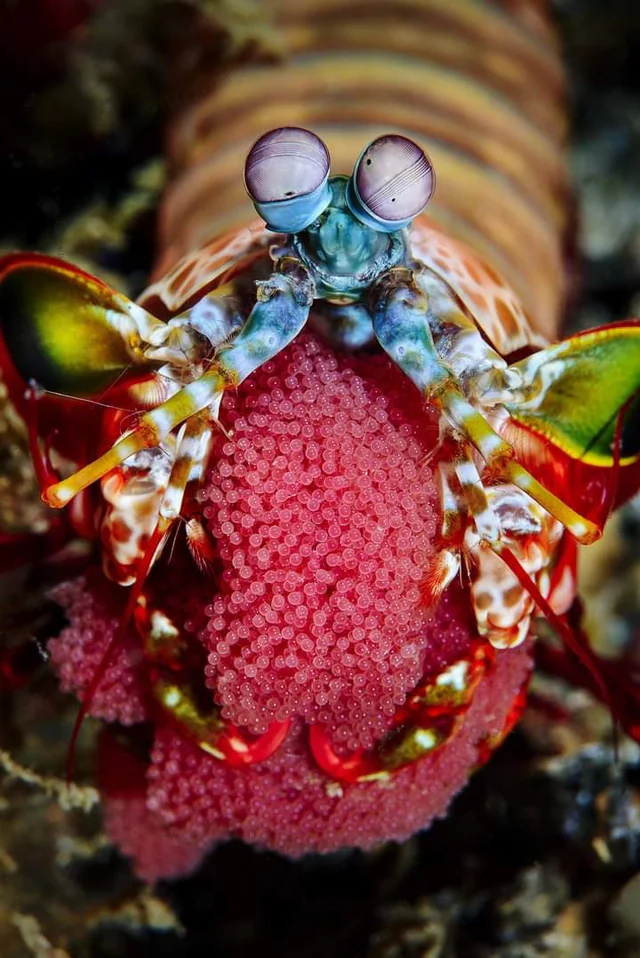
279 314
491 502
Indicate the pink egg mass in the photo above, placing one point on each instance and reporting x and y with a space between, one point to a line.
324 513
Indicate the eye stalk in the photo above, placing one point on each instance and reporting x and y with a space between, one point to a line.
392 181
286 175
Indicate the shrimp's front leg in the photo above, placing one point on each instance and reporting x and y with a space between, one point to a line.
400 320
281 311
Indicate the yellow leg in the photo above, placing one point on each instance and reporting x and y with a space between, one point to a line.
400 313
500 457
151 429
280 312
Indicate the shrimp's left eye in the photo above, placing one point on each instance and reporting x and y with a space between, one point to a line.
392 181
286 175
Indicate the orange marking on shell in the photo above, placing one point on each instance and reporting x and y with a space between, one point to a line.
132 496
512 596
483 601
208 267
507 318
474 272
120 532
479 300
492 303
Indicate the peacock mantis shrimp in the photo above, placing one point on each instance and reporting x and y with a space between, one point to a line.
530 443
346 249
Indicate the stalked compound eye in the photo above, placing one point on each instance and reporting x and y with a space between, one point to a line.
286 176
392 181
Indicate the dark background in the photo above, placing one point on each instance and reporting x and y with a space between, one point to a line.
539 854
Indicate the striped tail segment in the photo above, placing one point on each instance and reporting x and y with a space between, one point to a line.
478 83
